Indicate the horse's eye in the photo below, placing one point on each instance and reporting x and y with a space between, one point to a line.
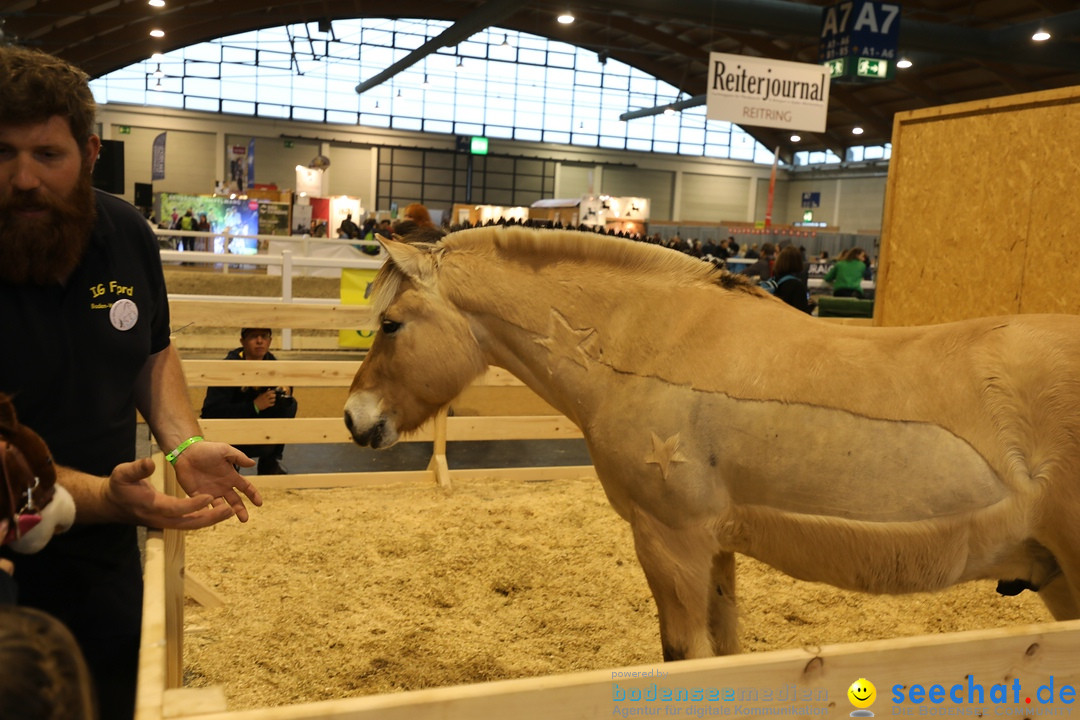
390 326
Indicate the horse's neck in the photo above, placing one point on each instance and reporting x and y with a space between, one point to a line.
541 326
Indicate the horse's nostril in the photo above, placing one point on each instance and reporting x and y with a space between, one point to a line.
348 421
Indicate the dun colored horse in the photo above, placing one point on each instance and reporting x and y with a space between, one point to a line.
722 421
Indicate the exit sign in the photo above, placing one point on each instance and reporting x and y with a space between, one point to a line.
125 129
870 68
478 145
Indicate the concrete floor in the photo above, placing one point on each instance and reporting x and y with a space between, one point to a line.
415 456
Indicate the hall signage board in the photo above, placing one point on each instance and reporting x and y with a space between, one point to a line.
859 40
753 91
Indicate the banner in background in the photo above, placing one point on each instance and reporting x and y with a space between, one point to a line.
767 93
356 290
251 162
157 158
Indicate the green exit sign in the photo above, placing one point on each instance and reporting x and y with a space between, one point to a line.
872 68
478 145
125 129
860 68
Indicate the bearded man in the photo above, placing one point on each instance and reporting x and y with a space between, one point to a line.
85 328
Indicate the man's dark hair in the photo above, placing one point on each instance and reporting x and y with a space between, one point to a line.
36 86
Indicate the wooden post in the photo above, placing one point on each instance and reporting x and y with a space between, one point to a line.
154 645
438 464
174 588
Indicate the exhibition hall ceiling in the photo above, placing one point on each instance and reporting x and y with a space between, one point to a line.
961 50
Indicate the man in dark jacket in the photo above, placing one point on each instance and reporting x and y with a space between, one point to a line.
250 402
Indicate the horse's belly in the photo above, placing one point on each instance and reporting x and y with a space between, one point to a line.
825 462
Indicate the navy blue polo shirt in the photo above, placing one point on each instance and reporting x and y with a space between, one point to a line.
70 358
72 353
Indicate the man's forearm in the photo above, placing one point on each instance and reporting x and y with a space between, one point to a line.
89 493
162 397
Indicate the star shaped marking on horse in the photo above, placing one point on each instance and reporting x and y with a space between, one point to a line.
565 341
665 453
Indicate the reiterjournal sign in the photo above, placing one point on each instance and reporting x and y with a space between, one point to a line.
767 93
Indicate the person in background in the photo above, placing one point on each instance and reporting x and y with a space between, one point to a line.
203 225
846 274
788 279
348 229
417 226
762 267
370 245
253 402
82 288
43 675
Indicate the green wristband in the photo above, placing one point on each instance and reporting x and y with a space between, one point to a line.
171 457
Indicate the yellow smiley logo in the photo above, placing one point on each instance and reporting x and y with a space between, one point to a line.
862 693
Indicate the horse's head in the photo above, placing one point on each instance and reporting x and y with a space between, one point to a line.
31 502
423 355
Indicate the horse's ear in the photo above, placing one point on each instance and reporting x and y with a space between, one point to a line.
410 259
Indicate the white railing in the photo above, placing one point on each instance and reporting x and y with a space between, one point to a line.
285 262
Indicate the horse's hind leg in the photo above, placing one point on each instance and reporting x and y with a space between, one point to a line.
693 583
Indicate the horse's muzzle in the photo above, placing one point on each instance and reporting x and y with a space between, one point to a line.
367 423
373 437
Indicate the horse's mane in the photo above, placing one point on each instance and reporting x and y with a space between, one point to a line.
538 245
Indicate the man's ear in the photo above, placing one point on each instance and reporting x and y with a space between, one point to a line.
92 150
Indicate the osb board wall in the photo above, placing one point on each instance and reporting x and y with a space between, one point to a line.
982 211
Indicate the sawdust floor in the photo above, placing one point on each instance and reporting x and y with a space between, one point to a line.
349 592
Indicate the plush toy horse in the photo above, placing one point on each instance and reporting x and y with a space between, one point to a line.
35 507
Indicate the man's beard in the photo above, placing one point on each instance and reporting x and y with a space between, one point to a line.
45 250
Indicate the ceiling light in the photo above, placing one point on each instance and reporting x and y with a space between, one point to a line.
158 73
426 83
903 63
505 42
156 3
566 18
669 110
157 57
1040 35
856 130
459 65
795 138
158 86
157 33
399 92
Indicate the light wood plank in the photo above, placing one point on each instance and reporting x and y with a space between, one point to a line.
380 478
299 373
195 314
198 590
184 702
1032 654
249 431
